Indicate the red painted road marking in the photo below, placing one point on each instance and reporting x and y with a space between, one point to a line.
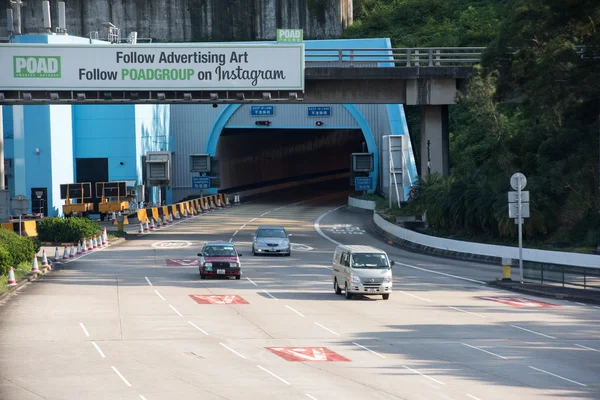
218 299
517 301
184 263
307 354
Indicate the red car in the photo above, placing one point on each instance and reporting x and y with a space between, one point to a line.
219 259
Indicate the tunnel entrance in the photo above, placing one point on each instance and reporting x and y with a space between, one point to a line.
261 157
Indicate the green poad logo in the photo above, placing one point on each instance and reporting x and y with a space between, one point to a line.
36 66
289 35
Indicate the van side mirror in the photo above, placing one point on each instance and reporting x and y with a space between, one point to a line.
392 262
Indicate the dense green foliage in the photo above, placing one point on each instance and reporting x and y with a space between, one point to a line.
551 136
66 230
14 250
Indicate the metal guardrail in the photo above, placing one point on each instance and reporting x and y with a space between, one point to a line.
564 275
398 57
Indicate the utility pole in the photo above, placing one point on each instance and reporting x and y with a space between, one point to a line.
16 5
2 183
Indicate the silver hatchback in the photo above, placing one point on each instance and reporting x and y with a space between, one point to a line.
271 240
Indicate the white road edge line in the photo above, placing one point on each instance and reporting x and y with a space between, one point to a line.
581 304
251 281
557 376
468 312
120 376
587 348
174 309
441 273
537 333
234 233
159 295
273 375
252 220
367 349
412 295
297 312
99 350
485 351
275 298
310 397
423 375
317 223
596 307
473 397
232 350
142 397
197 327
327 329
230 240
84 330
148 280
263 214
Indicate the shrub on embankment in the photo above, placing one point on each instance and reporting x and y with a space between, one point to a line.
14 250
65 230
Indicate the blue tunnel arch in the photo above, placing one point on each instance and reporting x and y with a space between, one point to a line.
230 109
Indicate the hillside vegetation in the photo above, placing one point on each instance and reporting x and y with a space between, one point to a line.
552 136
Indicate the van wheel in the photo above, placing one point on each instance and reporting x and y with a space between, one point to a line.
238 277
202 276
347 294
385 296
336 287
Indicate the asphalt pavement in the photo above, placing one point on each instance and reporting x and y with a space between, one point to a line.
134 321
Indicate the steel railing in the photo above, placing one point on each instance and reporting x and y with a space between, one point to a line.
563 275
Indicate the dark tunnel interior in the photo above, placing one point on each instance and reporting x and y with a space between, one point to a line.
268 156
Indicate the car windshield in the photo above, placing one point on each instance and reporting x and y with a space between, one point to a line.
272 233
219 251
369 260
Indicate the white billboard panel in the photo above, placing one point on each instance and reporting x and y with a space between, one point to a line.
166 67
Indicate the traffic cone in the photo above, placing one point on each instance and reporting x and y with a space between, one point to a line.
95 242
104 237
227 201
236 200
79 251
185 214
99 241
152 226
44 258
212 205
35 268
146 227
65 254
141 231
11 278
114 217
165 223
92 244
85 248
56 255
219 205
170 218
72 254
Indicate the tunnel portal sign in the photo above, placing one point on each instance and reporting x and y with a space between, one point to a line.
261 111
152 67
319 111
200 182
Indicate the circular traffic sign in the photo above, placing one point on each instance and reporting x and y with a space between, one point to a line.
20 204
518 179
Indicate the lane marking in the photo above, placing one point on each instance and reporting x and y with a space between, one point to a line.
142 397
84 330
297 312
473 397
581 304
148 280
251 281
423 375
596 307
243 226
558 376
310 397
120 376
587 348
468 312
412 295
327 329
197 327
230 240
232 350
537 333
156 291
485 351
317 226
99 350
174 309
275 298
442 273
273 375
234 233
374 352
252 220
263 214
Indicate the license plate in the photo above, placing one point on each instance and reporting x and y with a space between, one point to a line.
220 271
370 290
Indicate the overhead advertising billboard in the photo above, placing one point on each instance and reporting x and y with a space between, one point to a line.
247 67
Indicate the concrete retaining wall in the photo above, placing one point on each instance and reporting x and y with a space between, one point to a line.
362 204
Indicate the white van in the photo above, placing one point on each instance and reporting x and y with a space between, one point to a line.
362 270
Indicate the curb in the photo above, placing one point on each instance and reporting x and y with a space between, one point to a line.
25 279
538 292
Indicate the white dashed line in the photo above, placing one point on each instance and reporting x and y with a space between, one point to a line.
273 375
374 352
142 397
423 375
251 281
174 309
197 327
232 350
557 376
485 351
537 333
581 304
468 312
310 397
252 220
412 295
148 280
234 233
273 297
121 376
99 350
297 312
327 329
473 397
587 348
156 291
84 330
263 214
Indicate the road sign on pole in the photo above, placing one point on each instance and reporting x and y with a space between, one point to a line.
200 182
362 183
518 208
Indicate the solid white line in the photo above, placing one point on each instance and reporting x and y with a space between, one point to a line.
412 295
263 214
252 220
468 312
310 397
243 226
148 280
317 227
230 240
441 273
327 329
142 397
557 376
121 376
596 307
232 350
197 327
374 352
270 294
423 375
251 281
234 233
84 330
297 312
173 308
273 375
156 291
537 333
581 304
587 348
98 348
485 351
473 397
